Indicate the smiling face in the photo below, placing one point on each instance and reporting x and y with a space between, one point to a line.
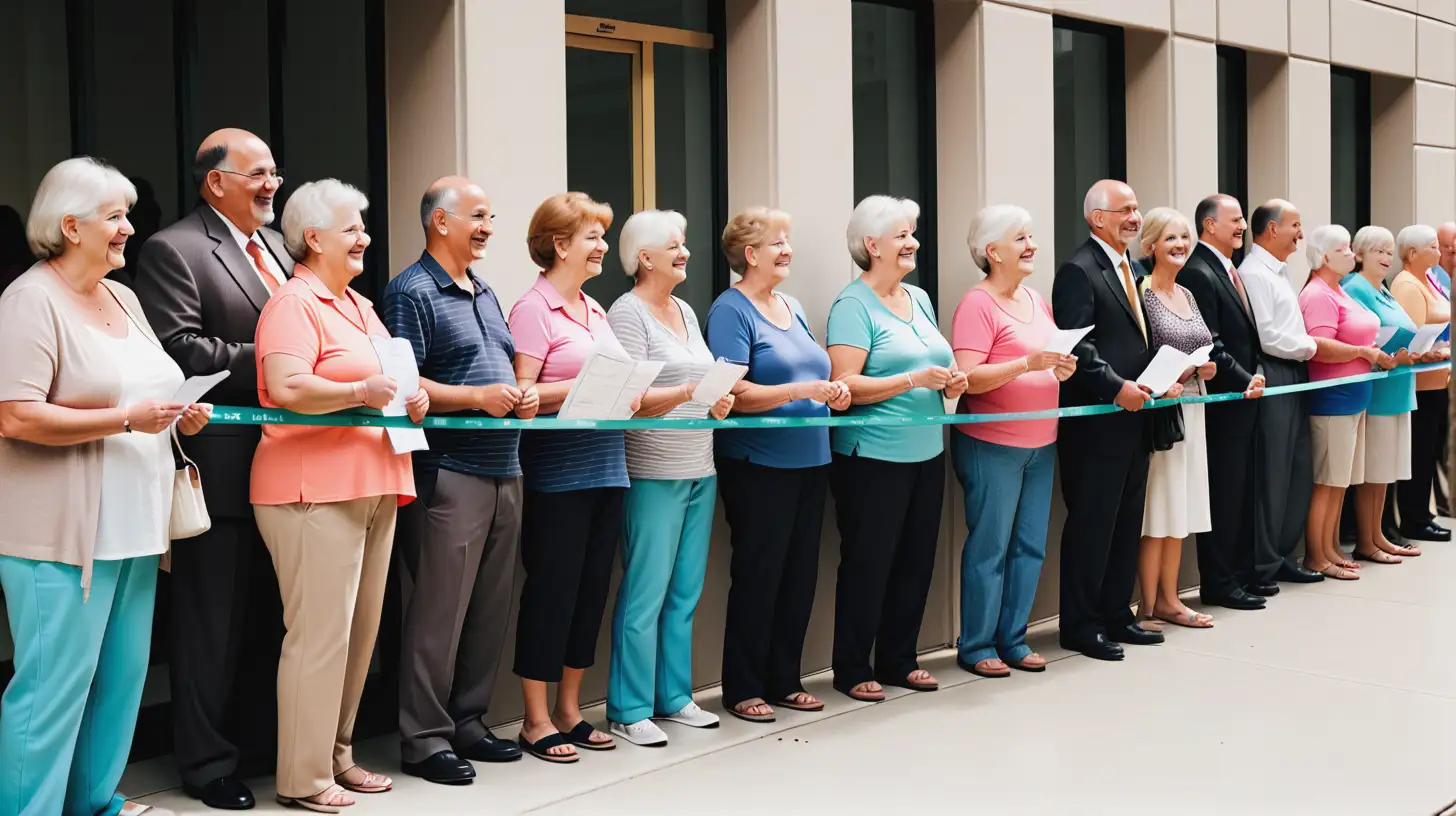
1173 245
1227 229
584 251
1120 220
340 247
772 255
1423 257
467 230
1376 261
1016 251
670 259
101 238
897 246
243 187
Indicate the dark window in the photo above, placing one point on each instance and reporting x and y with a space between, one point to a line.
1089 105
1233 129
1349 148
694 15
894 118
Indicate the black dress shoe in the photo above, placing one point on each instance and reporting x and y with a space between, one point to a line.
223 793
1237 599
1096 647
1430 531
443 768
491 748
1296 574
1134 635
1264 589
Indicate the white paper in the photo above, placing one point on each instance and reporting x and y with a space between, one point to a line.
1064 340
643 373
196 387
1383 336
397 360
1425 338
719 380
1166 369
606 387
1199 356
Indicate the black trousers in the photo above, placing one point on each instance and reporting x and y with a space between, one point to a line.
775 517
889 524
1104 467
226 632
568 543
1428 424
1284 470
1226 553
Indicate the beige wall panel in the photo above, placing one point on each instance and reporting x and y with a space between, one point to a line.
1195 122
1392 159
1436 51
1153 14
1309 29
1439 9
1435 169
1435 114
1196 18
1289 139
1262 25
1268 127
751 159
959 140
1404 5
1150 146
1374 38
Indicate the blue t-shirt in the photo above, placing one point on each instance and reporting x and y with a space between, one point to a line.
896 348
739 333
1395 394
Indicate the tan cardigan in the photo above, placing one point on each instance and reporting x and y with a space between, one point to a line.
51 496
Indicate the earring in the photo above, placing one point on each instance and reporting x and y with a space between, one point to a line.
648 267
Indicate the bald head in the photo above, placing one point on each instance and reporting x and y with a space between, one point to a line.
1111 210
1277 227
236 174
1446 237
458 222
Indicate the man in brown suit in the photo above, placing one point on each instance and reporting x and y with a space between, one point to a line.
203 282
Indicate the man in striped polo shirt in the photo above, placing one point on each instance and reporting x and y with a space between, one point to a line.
459 540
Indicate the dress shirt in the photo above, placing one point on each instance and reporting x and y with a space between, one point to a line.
1222 258
268 260
1113 255
1276 307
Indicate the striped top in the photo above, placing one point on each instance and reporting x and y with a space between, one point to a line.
666 454
459 338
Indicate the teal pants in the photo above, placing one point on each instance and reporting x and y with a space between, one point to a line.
665 531
67 717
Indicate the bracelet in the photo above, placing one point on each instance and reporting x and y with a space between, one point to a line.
910 380
360 392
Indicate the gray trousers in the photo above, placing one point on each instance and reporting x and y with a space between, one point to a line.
458 547
1283 470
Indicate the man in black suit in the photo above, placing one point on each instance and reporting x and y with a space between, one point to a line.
203 282
1104 459
1226 559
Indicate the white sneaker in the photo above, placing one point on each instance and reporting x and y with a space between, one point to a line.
693 717
643 732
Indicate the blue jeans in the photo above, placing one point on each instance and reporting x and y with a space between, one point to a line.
1008 495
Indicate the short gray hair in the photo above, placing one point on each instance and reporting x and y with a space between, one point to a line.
77 187
1371 237
1096 199
1413 236
992 224
316 205
1320 241
444 198
872 218
649 229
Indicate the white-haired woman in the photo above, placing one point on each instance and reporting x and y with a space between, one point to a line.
999 333
326 497
1418 251
85 405
1177 502
1388 417
1337 413
885 345
668 511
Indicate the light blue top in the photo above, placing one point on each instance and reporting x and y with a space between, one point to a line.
860 319
1395 394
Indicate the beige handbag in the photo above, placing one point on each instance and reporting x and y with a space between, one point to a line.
189 508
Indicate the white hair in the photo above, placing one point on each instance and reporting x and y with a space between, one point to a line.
994 223
649 229
76 187
1416 235
1371 237
1321 241
316 205
445 198
872 218
1097 198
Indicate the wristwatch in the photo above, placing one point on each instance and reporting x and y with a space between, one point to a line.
126 425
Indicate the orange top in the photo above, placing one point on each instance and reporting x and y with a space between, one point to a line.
296 463
1425 308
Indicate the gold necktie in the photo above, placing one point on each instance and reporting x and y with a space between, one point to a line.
1132 298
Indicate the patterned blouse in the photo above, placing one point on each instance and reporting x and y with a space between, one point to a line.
1165 328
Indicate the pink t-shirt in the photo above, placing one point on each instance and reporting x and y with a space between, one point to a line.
543 330
982 325
1332 313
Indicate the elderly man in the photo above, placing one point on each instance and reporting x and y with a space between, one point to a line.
203 282
458 542
1226 553
1104 459
1284 471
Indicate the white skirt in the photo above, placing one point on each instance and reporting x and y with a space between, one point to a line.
1177 504
1387 448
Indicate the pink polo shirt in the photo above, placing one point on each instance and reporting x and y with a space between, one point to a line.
982 325
544 331
1331 312
312 464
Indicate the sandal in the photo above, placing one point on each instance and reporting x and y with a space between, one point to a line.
927 684
581 734
983 669
794 702
1152 623
373 782
1031 663
740 711
540 748
1406 550
1340 573
1377 557
865 695
1190 620
332 801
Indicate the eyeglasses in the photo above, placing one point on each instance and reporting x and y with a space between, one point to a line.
1125 211
258 176
477 219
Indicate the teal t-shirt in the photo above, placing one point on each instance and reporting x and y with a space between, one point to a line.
896 348
1395 394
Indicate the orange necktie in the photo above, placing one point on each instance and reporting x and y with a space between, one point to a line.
256 253
1132 298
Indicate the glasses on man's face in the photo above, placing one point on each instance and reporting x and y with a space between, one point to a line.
258 177
474 219
1124 212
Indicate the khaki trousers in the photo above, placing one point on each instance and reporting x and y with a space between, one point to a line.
332 562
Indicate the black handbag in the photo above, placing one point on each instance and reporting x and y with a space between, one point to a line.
1167 427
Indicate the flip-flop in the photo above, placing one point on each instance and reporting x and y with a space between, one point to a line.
790 703
373 782
311 803
1190 620
580 736
753 718
1377 557
906 683
866 696
1021 665
1332 572
539 748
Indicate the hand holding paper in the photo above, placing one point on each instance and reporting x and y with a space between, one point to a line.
1425 338
1064 340
1383 336
1166 368
607 387
718 382
397 361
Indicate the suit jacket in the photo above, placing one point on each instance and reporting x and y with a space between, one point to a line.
202 295
1235 336
1088 291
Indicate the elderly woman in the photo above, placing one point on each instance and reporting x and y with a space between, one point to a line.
1388 417
1177 503
668 510
1337 413
1000 332
885 345
325 497
85 406
773 481
1418 251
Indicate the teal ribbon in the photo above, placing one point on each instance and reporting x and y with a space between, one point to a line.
233 415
